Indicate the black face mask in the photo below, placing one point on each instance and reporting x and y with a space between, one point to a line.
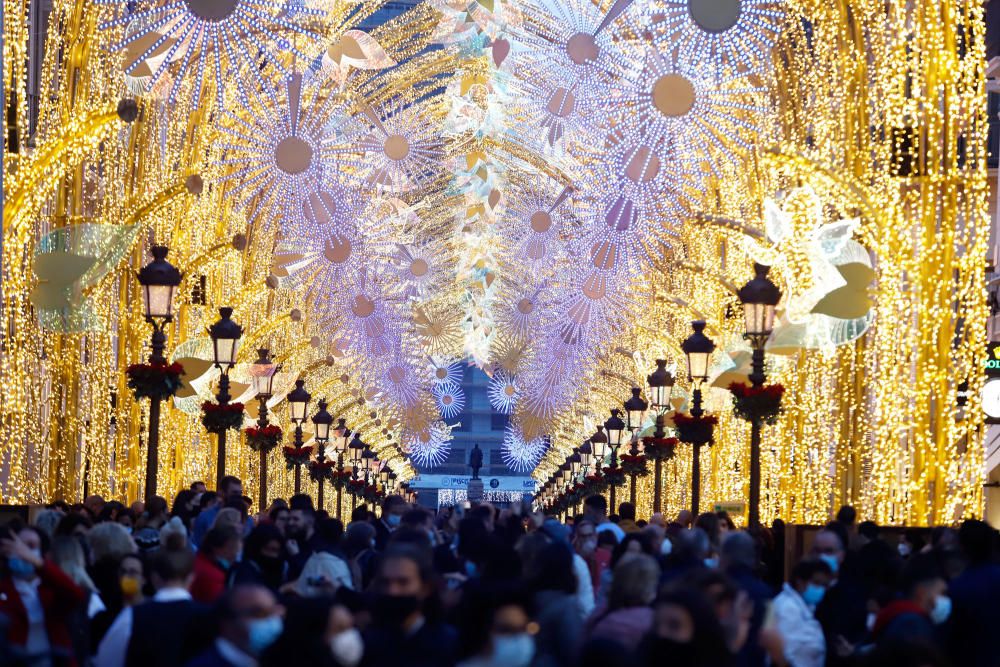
392 610
271 564
669 652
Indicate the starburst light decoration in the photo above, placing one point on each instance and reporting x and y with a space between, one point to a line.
502 392
450 399
428 448
224 40
520 455
724 34
290 149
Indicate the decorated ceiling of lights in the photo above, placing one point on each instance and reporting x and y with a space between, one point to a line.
548 189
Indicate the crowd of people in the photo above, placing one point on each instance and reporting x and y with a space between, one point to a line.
207 583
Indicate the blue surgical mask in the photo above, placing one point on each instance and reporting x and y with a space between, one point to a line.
20 569
263 632
513 650
832 561
392 520
813 595
470 569
941 610
224 563
711 563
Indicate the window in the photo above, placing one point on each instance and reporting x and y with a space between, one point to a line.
496 457
498 422
456 456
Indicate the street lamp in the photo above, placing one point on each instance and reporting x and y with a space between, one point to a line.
159 280
661 385
367 461
615 427
262 372
759 297
698 349
635 410
225 336
322 421
298 403
586 452
340 438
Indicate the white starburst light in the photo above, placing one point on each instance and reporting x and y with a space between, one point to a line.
222 39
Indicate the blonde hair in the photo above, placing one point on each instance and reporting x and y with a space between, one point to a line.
110 540
67 553
634 581
229 516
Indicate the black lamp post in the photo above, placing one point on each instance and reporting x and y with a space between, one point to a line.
661 384
322 421
341 436
298 404
615 428
635 410
159 280
759 296
262 373
356 447
367 461
225 336
698 349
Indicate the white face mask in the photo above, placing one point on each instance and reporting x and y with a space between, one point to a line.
904 549
666 547
347 647
941 610
513 650
870 621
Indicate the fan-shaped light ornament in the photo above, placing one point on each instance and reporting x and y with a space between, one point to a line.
719 34
665 116
560 68
403 148
286 150
450 399
631 220
428 448
400 383
370 325
447 373
419 267
518 454
224 40
532 223
503 392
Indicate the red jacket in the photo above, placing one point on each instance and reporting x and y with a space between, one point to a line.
209 580
59 597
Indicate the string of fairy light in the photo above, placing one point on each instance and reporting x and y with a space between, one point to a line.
873 422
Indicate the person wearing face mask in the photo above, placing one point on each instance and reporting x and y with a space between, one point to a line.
844 609
794 614
585 545
250 620
319 632
685 632
38 599
393 509
924 607
404 629
216 555
263 561
131 582
165 631
497 629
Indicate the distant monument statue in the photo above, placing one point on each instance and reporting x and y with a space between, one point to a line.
476 460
